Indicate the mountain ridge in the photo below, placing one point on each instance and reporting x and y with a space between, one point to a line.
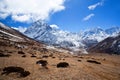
41 31
109 45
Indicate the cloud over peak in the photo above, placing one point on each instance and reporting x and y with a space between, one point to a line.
30 10
54 26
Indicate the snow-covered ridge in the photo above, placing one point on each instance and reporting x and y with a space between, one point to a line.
11 34
41 31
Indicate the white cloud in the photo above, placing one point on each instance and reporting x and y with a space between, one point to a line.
22 18
30 10
20 28
88 17
54 26
92 7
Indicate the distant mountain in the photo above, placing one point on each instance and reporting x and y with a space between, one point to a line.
41 31
109 45
96 35
113 31
93 36
51 36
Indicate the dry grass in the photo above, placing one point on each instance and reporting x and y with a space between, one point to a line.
108 70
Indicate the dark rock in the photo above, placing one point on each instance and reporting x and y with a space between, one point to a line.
62 65
4 55
42 62
12 69
21 52
25 74
79 60
92 61
23 55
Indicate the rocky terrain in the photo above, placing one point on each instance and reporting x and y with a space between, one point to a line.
82 67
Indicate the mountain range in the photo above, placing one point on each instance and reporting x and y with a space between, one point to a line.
43 32
40 33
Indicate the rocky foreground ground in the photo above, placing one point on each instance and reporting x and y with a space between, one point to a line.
83 67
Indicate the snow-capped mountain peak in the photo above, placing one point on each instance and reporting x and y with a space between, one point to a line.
43 32
39 27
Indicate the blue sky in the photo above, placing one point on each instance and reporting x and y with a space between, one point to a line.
70 15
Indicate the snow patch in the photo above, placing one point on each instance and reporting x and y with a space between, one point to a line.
10 34
114 43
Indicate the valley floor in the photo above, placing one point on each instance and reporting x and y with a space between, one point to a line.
79 68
